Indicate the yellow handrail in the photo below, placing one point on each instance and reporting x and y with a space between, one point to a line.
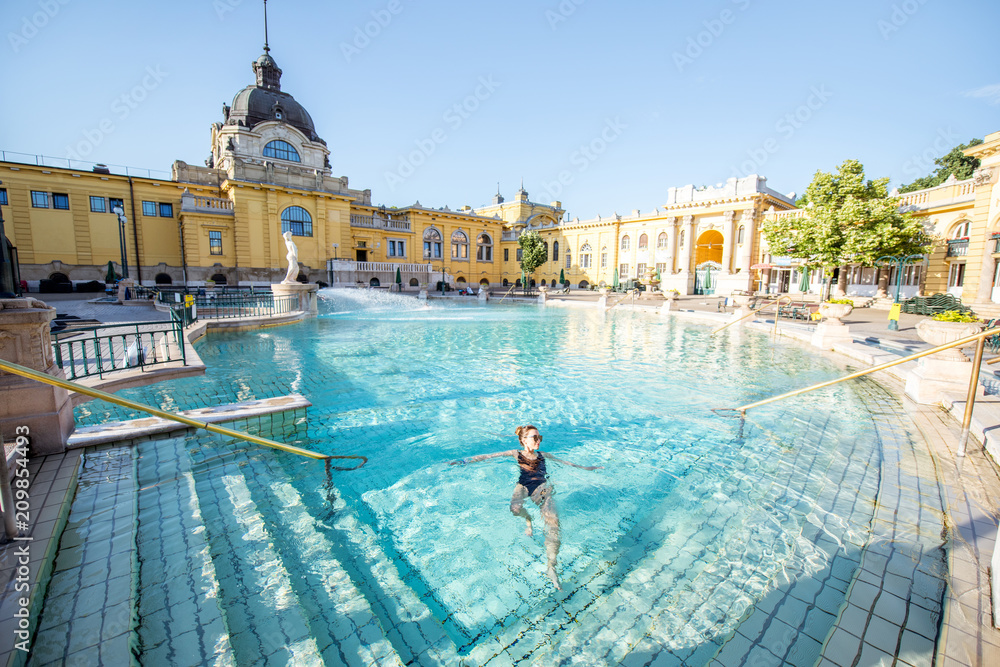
979 338
507 294
32 374
632 292
754 311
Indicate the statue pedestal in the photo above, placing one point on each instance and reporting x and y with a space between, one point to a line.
305 293
483 295
543 294
422 296
125 290
934 377
42 412
830 332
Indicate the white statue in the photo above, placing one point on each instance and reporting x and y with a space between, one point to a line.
293 260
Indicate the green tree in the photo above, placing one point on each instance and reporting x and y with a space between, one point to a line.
953 162
533 253
848 220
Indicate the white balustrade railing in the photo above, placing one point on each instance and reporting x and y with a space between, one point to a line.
377 222
376 267
203 204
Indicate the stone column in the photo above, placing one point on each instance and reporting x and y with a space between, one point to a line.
687 226
728 241
46 412
745 254
671 244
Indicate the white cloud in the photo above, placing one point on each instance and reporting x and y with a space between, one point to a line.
990 93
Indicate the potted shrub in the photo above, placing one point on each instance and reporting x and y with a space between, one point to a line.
834 309
947 327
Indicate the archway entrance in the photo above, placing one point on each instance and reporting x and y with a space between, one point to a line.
709 248
706 277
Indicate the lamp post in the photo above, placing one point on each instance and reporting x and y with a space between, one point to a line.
117 210
899 262
6 262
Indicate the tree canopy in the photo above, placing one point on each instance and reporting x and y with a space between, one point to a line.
848 220
533 252
953 162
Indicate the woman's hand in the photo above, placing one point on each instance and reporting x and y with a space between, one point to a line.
593 467
457 463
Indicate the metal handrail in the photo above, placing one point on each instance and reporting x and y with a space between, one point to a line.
44 378
979 338
97 350
754 311
512 288
629 293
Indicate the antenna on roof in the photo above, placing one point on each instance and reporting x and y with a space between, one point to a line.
266 49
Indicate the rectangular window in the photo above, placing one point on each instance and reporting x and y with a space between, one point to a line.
149 208
520 254
60 201
911 275
506 254
397 248
956 275
569 258
215 243
584 261
115 203
166 210
604 260
39 199
97 205
640 271
661 268
3 196
623 271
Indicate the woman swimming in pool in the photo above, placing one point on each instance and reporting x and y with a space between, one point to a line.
534 484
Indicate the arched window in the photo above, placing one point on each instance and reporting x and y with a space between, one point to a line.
281 150
432 243
962 230
164 279
545 244
484 248
219 279
740 234
296 220
662 240
459 245
555 251
626 243
643 242
586 253
414 282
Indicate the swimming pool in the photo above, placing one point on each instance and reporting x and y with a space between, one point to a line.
669 554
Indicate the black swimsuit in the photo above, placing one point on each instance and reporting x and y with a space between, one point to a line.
533 473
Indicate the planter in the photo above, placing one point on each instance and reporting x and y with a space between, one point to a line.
940 333
834 311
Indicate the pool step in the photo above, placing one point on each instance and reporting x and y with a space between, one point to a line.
180 619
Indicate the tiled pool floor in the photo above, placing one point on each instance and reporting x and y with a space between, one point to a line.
210 596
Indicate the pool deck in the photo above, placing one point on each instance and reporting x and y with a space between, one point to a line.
966 634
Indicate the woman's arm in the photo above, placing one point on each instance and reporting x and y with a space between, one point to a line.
483 457
549 457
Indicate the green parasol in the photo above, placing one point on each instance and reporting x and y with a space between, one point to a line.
708 277
562 277
111 277
614 279
399 278
804 283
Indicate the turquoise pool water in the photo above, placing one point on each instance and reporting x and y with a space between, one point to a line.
694 522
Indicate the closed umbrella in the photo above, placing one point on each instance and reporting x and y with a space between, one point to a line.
399 280
562 276
804 283
708 278
112 276
614 279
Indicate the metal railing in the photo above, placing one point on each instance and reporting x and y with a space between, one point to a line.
970 400
754 311
97 350
628 293
231 306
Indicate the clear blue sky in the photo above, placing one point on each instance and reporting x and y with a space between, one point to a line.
617 100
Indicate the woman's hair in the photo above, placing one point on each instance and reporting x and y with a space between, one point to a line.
521 430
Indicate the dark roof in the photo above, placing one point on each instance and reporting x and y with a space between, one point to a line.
262 101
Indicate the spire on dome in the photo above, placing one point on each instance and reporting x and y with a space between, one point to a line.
267 70
266 49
